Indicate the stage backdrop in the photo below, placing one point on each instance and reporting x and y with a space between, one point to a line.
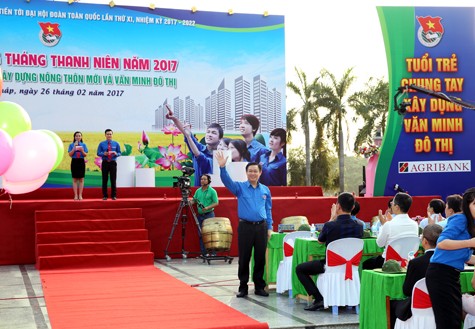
89 67
429 148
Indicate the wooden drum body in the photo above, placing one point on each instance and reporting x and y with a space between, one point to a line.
295 220
217 234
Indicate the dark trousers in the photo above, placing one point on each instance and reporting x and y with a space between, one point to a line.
400 309
252 236
201 218
372 263
443 284
305 271
109 168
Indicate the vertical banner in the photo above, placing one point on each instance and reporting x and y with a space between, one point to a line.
89 67
427 147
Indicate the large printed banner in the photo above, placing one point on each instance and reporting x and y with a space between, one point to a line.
428 147
88 67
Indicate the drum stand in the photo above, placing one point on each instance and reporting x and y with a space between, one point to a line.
209 258
184 203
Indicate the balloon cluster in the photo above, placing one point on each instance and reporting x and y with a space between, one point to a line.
26 156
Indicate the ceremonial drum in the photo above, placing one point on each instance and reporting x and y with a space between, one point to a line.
217 234
295 220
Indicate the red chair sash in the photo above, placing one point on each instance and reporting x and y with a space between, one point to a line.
288 250
393 254
421 299
333 259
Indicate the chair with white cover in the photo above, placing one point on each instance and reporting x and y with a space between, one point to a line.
340 283
469 321
284 271
400 248
468 304
421 307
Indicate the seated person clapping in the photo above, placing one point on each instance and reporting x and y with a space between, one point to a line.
435 209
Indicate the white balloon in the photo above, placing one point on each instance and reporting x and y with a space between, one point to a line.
23 187
35 154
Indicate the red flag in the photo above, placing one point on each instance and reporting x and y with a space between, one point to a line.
50 28
431 24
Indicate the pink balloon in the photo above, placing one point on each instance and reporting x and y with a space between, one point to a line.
6 151
23 187
35 153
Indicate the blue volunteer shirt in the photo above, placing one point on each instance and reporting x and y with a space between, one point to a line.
255 150
273 173
77 154
254 204
203 164
456 229
103 146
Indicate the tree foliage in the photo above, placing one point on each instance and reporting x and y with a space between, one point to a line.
371 105
305 92
332 95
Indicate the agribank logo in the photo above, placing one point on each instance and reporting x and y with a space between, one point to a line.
431 30
50 34
425 167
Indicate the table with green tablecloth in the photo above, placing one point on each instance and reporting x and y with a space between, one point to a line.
306 249
274 254
376 290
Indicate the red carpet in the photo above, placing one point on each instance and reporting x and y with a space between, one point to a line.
89 238
97 272
133 297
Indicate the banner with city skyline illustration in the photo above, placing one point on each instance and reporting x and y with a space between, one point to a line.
427 147
88 67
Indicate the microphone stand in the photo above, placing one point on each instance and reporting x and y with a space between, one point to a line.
401 108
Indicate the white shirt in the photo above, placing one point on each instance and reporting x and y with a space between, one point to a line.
400 226
435 217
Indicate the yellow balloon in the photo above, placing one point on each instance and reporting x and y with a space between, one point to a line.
13 118
59 145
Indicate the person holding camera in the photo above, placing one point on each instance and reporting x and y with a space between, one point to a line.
255 223
206 199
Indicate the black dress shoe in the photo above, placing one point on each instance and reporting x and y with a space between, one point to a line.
104 198
114 198
241 294
261 292
316 306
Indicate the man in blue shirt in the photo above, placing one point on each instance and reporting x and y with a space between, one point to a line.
248 128
274 163
109 150
255 223
202 154
340 226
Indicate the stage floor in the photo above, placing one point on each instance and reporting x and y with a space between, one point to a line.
22 305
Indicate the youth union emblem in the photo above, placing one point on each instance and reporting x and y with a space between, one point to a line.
50 34
431 30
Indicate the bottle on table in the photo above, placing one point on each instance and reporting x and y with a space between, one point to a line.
312 231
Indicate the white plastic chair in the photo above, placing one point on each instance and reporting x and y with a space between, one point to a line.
340 284
284 271
469 321
468 304
399 249
421 307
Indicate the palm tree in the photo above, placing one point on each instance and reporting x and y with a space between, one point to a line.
371 105
332 96
305 92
